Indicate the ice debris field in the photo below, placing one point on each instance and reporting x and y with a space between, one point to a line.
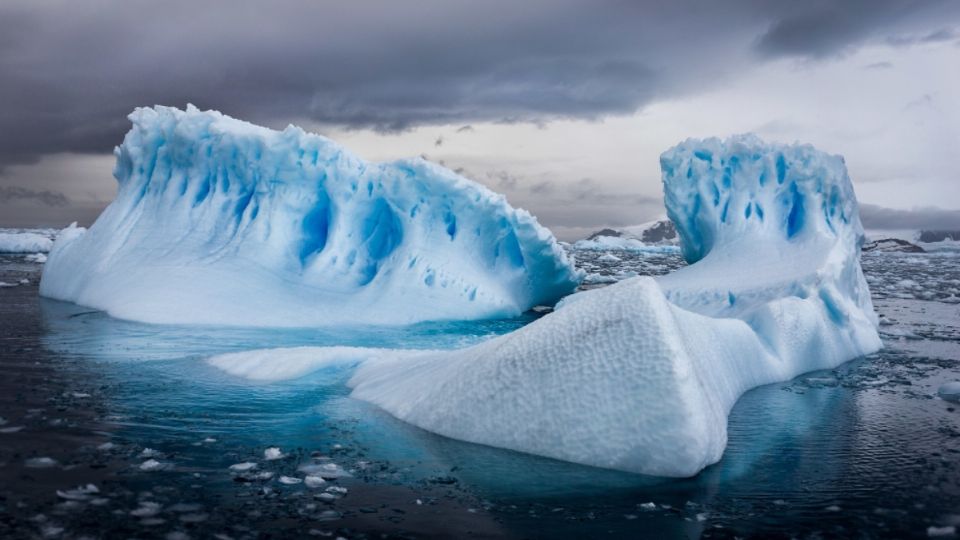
218 221
638 376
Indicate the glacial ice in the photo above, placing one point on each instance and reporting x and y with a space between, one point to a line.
641 375
26 241
218 221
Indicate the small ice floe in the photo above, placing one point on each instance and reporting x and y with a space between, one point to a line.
37 257
337 490
148 453
81 493
326 470
290 480
147 509
41 463
648 506
11 429
184 508
243 467
936 532
209 440
832 508
50 530
313 481
5 284
151 465
263 475
24 281
273 453
609 257
950 391
328 515
106 447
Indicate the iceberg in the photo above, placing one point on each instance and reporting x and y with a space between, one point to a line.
641 376
218 221
26 241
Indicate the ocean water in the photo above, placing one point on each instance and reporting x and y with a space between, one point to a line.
866 450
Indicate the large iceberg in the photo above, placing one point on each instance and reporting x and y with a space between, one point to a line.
219 221
641 376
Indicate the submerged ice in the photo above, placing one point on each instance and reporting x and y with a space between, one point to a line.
219 221
641 375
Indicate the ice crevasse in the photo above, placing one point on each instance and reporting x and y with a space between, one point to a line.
641 375
218 221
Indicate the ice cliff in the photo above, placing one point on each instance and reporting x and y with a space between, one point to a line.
218 221
641 375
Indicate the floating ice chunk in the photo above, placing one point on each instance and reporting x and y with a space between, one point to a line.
81 493
223 222
41 463
25 241
326 470
950 391
641 375
37 257
290 480
273 453
11 429
936 532
146 509
151 465
609 257
243 467
314 481
648 506
148 452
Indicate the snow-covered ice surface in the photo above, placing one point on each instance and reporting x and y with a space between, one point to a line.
641 375
218 221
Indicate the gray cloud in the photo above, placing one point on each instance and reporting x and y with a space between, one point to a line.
930 218
13 194
824 28
71 72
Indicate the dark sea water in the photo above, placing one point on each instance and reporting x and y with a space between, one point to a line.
866 450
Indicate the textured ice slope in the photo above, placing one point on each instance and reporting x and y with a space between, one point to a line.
641 375
220 221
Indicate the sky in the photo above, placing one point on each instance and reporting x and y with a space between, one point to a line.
564 106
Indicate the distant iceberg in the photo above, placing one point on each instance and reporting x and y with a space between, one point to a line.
218 221
641 375
26 240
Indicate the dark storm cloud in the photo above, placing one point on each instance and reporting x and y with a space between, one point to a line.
71 71
931 218
824 28
10 194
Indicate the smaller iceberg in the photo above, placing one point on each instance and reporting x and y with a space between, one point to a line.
218 221
641 375
26 241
